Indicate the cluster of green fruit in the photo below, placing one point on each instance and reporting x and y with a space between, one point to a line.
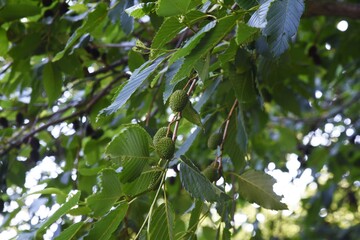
164 145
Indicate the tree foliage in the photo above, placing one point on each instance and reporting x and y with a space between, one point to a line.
85 85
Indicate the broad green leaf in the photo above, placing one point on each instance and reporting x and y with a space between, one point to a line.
195 216
136 79
170 28
168 8
117 13
283 20
207 94
104 228
211 39
287 99
65 208
257 187
196 183
140 10
70 232
247 4
225 57
147 181
16 9
78 8
4 42
80 211
91 23
232 146
202 68
110 192
241 138
70 65
135 60
258 19
170 73
190 114
52 81
242 82
191 43
26 47
245 33
131 148
162 223
49 191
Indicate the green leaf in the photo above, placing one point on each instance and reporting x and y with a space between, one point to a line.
202 68
135 60
147 181
242 81
170 28
232 146
246 4
162 222
211 39
195 216
104 228
110 192
131 148
65 208
52 81
257 187
241 138
283 21
49 191
168 8
191 43
140 10
16 9
70 232
4 42
190 114
287 99
245 33
258 19
136 79
91 23
196 183
117 13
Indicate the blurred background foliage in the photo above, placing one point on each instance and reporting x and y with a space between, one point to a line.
300 115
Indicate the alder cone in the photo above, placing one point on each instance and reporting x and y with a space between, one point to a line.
214 140
165 147
160 134
178 100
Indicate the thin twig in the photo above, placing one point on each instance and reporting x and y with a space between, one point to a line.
219 158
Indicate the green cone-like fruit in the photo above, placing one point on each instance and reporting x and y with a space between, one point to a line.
160 134
211 172
214 140
178 100
165 147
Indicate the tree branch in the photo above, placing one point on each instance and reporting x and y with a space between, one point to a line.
332 9
19 140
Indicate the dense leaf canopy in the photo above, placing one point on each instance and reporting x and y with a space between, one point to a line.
85 85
